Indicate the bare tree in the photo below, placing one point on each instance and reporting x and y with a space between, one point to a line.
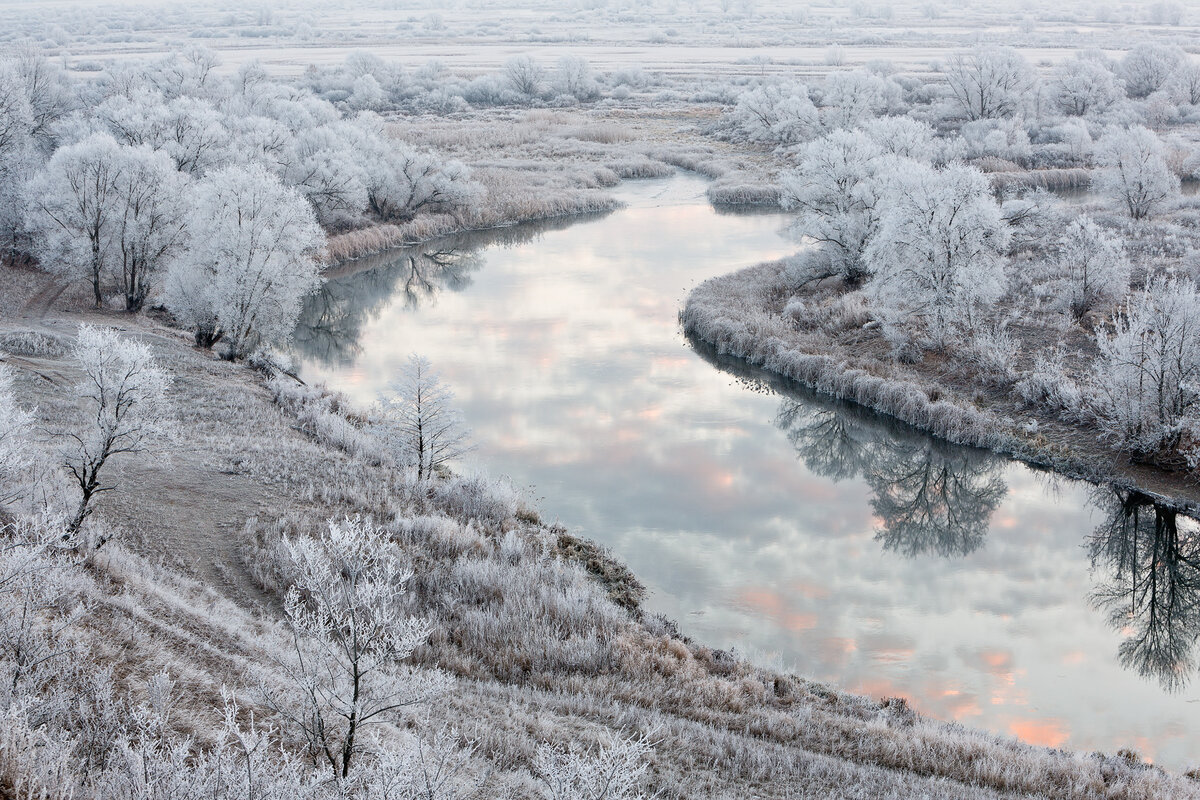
124 396
525 75
992 82
421 425
350 629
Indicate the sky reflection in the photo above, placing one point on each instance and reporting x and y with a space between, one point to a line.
808 534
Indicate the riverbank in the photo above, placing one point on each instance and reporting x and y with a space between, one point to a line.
534 165
539 646
838 351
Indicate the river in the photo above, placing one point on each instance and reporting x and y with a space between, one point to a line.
808 535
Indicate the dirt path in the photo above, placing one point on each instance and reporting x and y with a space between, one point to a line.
38 306
192 516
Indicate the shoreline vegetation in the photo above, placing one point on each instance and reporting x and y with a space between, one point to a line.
742 314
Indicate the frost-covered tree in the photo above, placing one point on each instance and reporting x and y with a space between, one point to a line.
937 257
1084 86
903 137
124 395
1147 67
989 82
1132 170
1184 84
402 181
19 155
837 191
422 427
191 131
48 91
851 97
148 216
613 772
108 210
1146 376
1092 267
250 263
784 114
73 214
351 628
326 165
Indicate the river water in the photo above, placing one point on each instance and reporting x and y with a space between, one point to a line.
806 534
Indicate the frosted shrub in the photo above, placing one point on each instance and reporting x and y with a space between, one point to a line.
613 772
476 497
325 415
851 97
783 114
496 602
33 343
903 137
1048 385
994 350
1092 267
996 138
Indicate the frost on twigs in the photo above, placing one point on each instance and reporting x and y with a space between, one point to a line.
420 426
124 394
351 628
251 262
16 446
613 772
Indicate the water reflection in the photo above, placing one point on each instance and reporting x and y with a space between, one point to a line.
331 322
1149 555
814 535
934 498
929 496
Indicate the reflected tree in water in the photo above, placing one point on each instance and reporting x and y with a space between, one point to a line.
332 320
1151 554
830 443
331 323
930 496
